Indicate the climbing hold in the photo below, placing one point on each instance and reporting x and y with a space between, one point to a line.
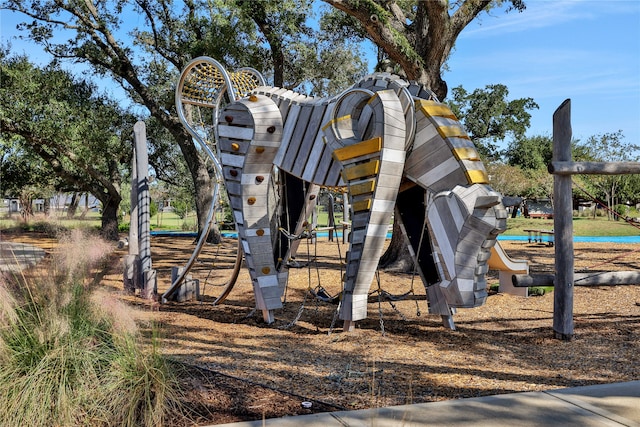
251 200
259 179
235 146
228 119
271 129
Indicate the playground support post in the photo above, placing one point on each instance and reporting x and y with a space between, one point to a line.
563 226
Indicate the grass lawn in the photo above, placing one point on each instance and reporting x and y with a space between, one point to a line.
515 226
581 226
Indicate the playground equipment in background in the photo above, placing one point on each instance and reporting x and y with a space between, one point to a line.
390 143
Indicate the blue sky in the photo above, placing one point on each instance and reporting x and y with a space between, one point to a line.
585 50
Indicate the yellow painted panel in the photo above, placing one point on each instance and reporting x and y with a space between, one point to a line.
361 170
477 176
336 120
466 153
361 205
363 187
452 131
356 150
432 108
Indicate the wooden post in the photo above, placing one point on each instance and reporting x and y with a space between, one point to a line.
606 278
332 220
345 217
133 224
146 276
130 276
594 168
563 226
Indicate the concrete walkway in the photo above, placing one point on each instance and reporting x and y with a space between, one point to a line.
15 257
599 405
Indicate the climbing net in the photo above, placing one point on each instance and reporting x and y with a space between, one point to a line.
321 284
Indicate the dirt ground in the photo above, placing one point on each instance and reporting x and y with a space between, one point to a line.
239 368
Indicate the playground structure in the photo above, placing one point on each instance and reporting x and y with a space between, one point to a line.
360 134
389 143
351 142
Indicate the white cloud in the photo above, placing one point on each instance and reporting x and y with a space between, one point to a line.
544 14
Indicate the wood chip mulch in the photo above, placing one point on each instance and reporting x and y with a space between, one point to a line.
239 368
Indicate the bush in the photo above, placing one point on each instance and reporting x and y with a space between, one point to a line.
50 228
622 211
70 355
188 226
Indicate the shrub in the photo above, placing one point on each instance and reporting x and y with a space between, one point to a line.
72 355
188 226
622 211
50 228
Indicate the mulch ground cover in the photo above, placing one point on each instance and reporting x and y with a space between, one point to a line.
234 367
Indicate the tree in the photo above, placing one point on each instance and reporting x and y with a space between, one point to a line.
507 179
530 152
83 136
146 59
24 175
610 147
417 36
489 117
532 155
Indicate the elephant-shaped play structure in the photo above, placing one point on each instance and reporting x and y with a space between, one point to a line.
389 142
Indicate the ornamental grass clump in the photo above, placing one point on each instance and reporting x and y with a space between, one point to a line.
72 355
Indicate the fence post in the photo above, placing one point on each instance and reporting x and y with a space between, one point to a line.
563 226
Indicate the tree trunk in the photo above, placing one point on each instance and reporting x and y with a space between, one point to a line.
109 229
73 206
86 206
397 257
203 198
26 207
